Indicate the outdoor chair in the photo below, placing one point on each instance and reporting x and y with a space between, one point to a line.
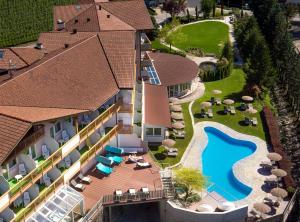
46 180
26 198
67 161
22 170
232 110
254 121
247 121
212 100
65 136
45 151
172 154
250 106
210 113
145 192
134 158
118 195
218 101
78 186
143 164
202 113
86 119
226 111
243 107
84 178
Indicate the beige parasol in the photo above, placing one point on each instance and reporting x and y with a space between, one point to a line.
247 98
177 125
177 116
274 156
228 101
279 192
262 207
252 111
173 99
217 92
205 104
279 172
176 108
168 142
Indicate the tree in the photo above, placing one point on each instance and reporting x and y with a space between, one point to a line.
214 8
206 6
227 52
197 12
174 7
188 16
191 179
222 7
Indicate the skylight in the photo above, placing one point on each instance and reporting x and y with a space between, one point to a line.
153 77
1 54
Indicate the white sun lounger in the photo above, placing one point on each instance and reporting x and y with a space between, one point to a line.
84 178
254 121
143 165
77 185
232 110
210 113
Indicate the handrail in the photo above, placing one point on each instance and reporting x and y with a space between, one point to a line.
57 156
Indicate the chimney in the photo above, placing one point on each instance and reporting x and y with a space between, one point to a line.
76 21
78 7
66 45
107 16
60 24
39 45
88 19
74 31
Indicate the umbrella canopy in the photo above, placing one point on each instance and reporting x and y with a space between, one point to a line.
226 205
247 98
168 142
274 156
228 101
252 111
262 207
217 92
279 172
177 125
176 108
173 99
279 192
177 116
205 208
205 104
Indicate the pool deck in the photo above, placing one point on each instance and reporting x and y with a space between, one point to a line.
246 170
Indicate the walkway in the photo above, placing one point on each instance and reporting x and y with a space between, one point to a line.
199 91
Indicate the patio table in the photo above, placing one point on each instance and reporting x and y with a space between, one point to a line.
18 177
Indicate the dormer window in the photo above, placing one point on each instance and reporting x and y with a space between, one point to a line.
1 54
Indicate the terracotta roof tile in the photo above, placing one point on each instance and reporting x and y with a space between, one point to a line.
119 48
173 69
29 55
157 110
8 55
11 132
77 78
133 12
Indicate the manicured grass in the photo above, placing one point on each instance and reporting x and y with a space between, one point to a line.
158 151
231 87
12 182
210 36
155 44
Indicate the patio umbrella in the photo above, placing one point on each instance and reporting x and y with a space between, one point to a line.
247 98
217 92
279 192
176 108
279 172
226 205
252 111
177 125
274 156
168 142
262 207
173 99
177 116
205 104
228 101
205 208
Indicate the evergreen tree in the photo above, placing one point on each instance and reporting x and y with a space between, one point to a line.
206 6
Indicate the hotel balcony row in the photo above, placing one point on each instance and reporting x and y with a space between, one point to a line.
59 158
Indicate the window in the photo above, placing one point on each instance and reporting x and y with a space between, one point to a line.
157 131
52 132
57 127
149 131
1 54
11 163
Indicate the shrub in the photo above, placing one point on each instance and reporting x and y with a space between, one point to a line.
223 69
195 51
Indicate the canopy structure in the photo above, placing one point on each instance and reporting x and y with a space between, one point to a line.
177 125
205 104
274 156
252 111
217 92
279 172
228 101
262 207
168 142
176 108
177 116
247 98
60 207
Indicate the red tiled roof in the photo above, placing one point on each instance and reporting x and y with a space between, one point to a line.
29 55
11 132
133 12
119 48
173 69
157 110
76 78
8 55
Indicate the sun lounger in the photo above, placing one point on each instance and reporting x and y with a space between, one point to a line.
243 107
143 164
172 150
226 111
114 158
247 121
232 110
78 186
173 154
22 170
104 169
212 100
254 121
65 136
179 134
26 198
84 178
104 160
210 113
218 101
202 113
115 150
134 158
45 151
250 106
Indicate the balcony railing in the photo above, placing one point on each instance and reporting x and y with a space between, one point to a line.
47 192
57 156
145 43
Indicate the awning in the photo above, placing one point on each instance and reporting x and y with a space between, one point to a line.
58 207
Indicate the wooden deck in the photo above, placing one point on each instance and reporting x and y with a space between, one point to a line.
125 176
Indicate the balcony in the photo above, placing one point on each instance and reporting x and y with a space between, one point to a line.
146 61
126 108
145 43
7 198
126 129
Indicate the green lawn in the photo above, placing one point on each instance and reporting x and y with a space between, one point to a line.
231 89
158 151
210 36
155 44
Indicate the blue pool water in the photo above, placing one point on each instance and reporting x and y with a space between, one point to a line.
218 158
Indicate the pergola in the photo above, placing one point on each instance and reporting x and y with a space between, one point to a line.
60 207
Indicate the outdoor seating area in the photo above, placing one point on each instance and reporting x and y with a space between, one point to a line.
177 120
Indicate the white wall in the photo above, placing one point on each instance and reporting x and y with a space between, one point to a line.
125 117
126 95
129 140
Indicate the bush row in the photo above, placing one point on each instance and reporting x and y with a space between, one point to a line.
274 140
223 70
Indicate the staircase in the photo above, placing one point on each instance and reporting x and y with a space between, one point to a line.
167 181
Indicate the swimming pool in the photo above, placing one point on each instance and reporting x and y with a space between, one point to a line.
218 158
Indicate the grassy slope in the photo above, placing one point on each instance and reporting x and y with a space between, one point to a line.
232 88
213 36
181 144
